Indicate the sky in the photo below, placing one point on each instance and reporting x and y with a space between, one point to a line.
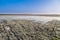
29 6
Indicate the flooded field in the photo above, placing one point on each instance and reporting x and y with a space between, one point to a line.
29 28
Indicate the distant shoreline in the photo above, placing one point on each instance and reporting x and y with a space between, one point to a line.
30 15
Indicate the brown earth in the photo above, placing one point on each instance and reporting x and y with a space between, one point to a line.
29 30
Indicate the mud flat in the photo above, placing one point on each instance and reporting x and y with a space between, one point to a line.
29 28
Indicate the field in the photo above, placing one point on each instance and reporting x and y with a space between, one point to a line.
29 30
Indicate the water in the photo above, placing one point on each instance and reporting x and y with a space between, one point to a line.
35 18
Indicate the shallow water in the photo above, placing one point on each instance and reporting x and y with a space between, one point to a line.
36 18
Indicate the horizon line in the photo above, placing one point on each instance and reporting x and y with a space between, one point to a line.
30 14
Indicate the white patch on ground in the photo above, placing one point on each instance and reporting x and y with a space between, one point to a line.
7 28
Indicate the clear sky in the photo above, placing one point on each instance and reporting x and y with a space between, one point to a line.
29 6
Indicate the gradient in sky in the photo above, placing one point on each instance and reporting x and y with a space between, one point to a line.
29 6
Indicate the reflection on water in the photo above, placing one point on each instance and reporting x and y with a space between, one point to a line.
36 18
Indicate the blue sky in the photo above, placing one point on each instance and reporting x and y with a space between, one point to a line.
29 6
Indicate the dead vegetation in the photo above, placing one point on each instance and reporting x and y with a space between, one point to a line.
29 30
